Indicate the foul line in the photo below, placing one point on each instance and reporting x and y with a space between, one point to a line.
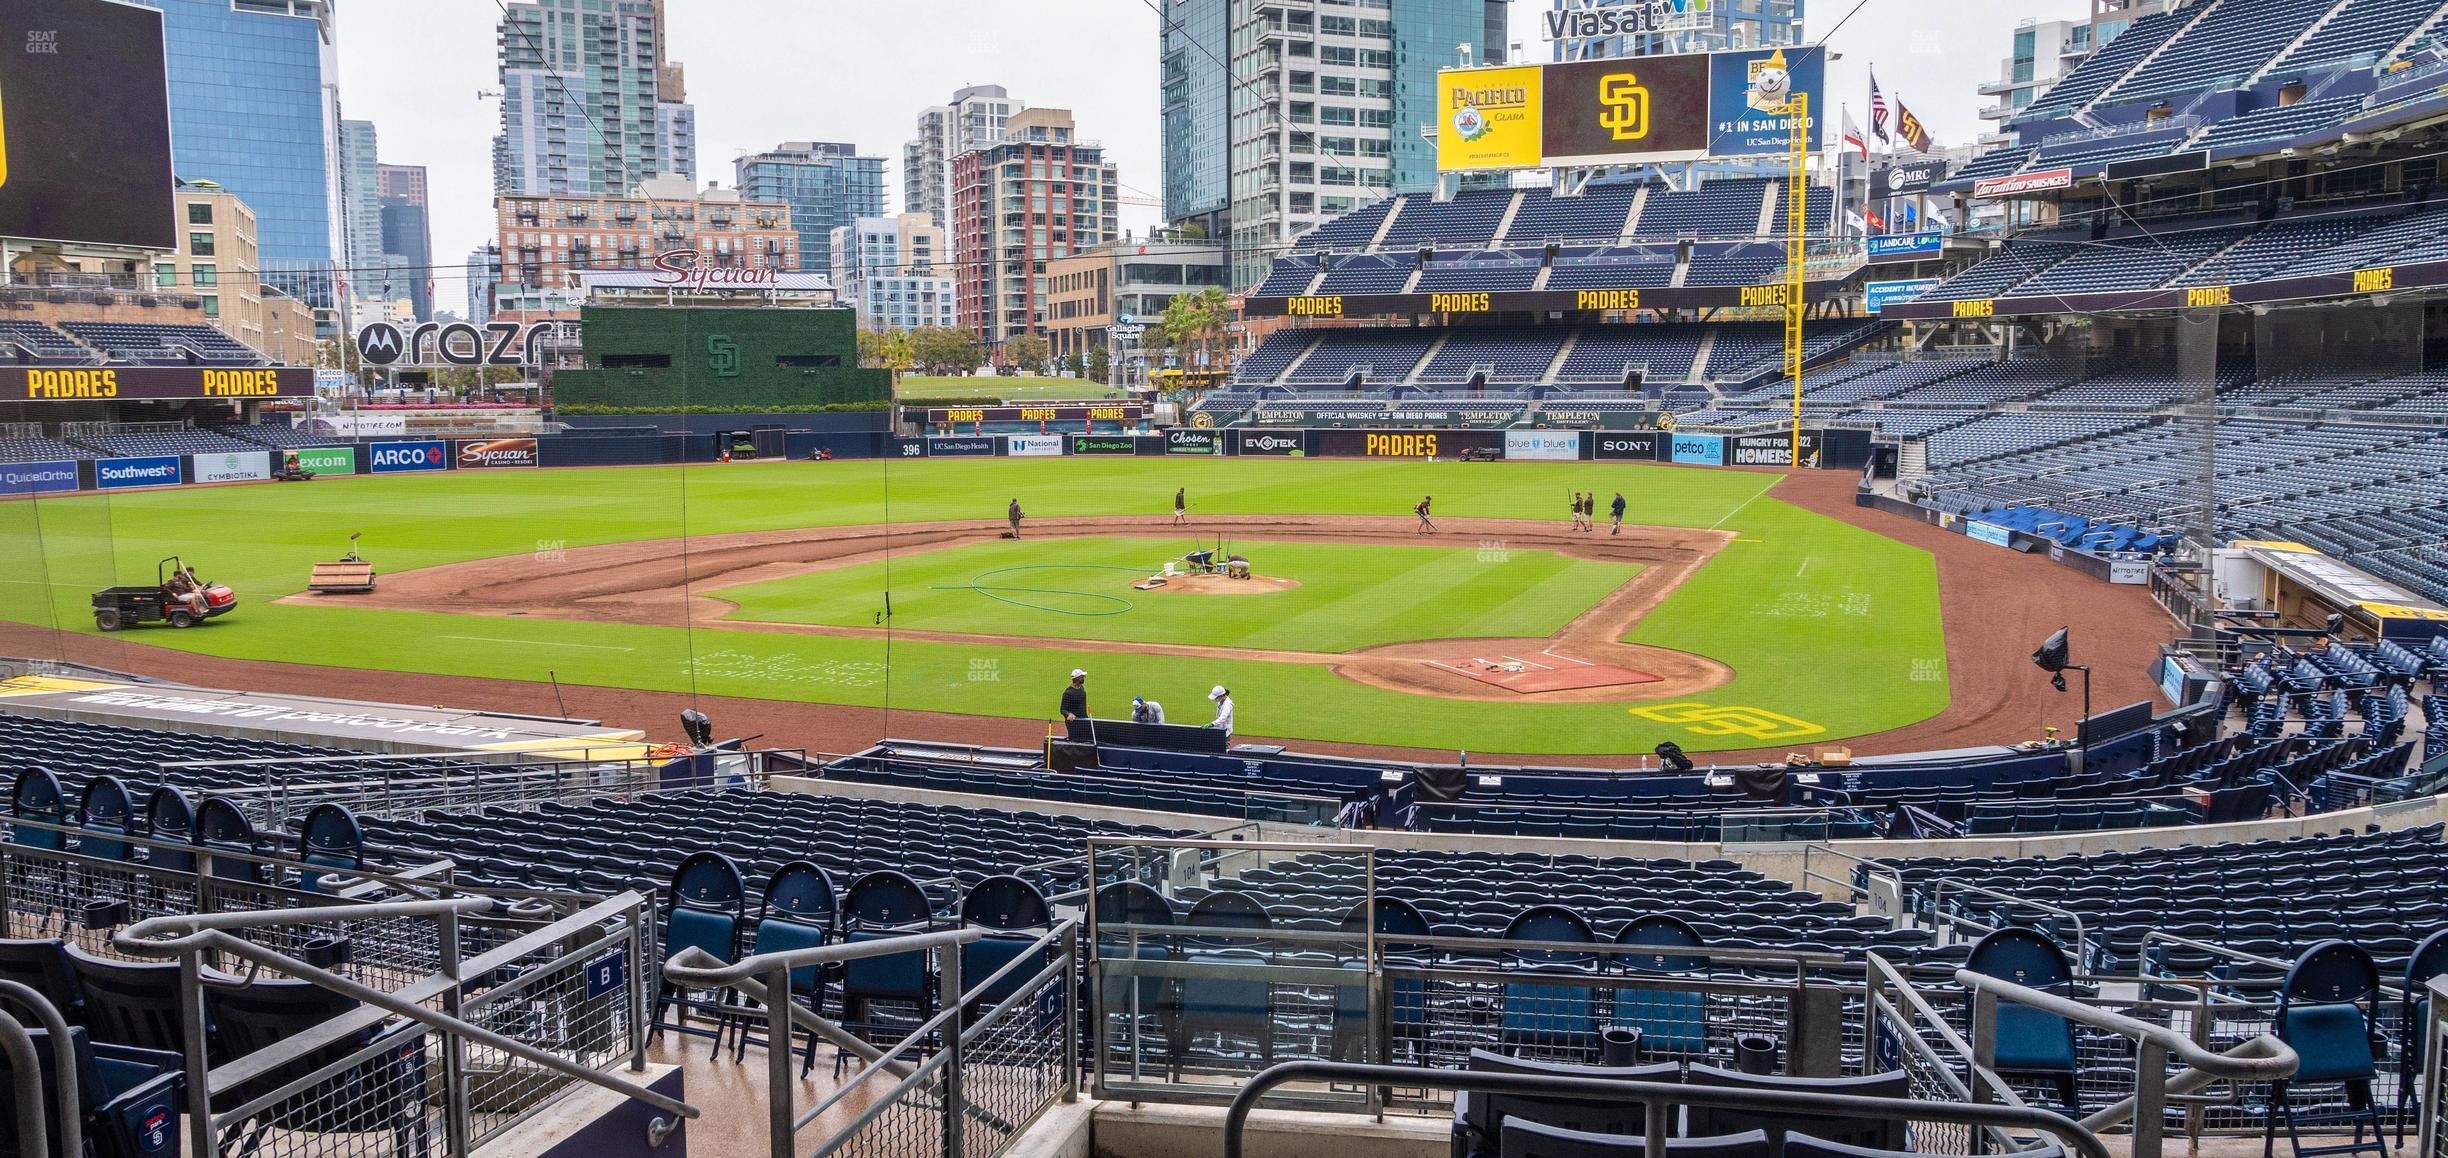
534 642
1772 482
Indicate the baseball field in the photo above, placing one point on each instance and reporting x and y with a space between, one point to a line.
1729 619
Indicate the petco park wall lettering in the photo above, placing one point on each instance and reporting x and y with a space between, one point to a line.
454 344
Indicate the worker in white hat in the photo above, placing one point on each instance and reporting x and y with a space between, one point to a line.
1075 697
1224 709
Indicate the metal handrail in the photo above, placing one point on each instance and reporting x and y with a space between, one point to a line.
2082 936
27 1070
686 970
1655 1097
174 936
2280 1062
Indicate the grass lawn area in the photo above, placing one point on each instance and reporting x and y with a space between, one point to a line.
1015 388
1349 597
1833 626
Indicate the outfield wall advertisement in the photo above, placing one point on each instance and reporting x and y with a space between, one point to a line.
497 453
1543 445
1636 446
1033 445
161 470
407 457
1194 442
38 478
1681 107
328 459
963 446
1696 449
1404 443
242 466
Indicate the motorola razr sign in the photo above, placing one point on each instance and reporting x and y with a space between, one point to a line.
454 344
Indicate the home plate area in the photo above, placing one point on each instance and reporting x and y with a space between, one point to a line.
1543 671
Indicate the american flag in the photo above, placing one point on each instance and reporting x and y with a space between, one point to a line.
1878 109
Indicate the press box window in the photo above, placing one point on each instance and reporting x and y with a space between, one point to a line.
807 361
637 362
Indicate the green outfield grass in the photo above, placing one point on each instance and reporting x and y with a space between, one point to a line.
1826 624
1010 388
1349 596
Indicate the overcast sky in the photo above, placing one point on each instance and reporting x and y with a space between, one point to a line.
765 71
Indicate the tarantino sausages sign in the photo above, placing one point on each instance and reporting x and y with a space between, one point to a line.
109 383
491 453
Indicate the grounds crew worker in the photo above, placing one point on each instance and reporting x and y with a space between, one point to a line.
1075 697
1181 504
1224 710
1146 711
1616 509
1015 518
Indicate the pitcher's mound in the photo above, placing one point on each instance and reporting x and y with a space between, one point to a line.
1218 585
1542 671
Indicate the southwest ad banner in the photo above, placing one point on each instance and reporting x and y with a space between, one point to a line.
1634 109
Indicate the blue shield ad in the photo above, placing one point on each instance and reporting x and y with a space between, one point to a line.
1698 449
37 478
1747 96
406 457
157 471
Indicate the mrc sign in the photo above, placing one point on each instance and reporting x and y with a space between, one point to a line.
455 344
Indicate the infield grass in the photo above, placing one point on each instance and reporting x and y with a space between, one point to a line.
1831 626
1349 597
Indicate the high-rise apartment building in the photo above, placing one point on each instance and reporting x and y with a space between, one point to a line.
403 181
2043 52
273 141
1278 115
408 251
973 120
895 272
1039 194
544 238
825 183
588 103
360 204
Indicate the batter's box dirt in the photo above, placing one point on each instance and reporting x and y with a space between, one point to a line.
1543 671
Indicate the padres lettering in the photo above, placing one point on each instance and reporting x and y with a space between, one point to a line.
1978 308
2374 280
1457 303
1627 106
964 416
241 384
1607 300
1400 446
1763 295
2210 295
1314 306
58 384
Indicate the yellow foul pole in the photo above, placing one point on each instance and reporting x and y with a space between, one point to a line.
1797 200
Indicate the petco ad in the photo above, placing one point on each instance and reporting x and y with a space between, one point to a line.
405 457
1698 449
158 471
1547 445
240 467
499 452
1033 445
